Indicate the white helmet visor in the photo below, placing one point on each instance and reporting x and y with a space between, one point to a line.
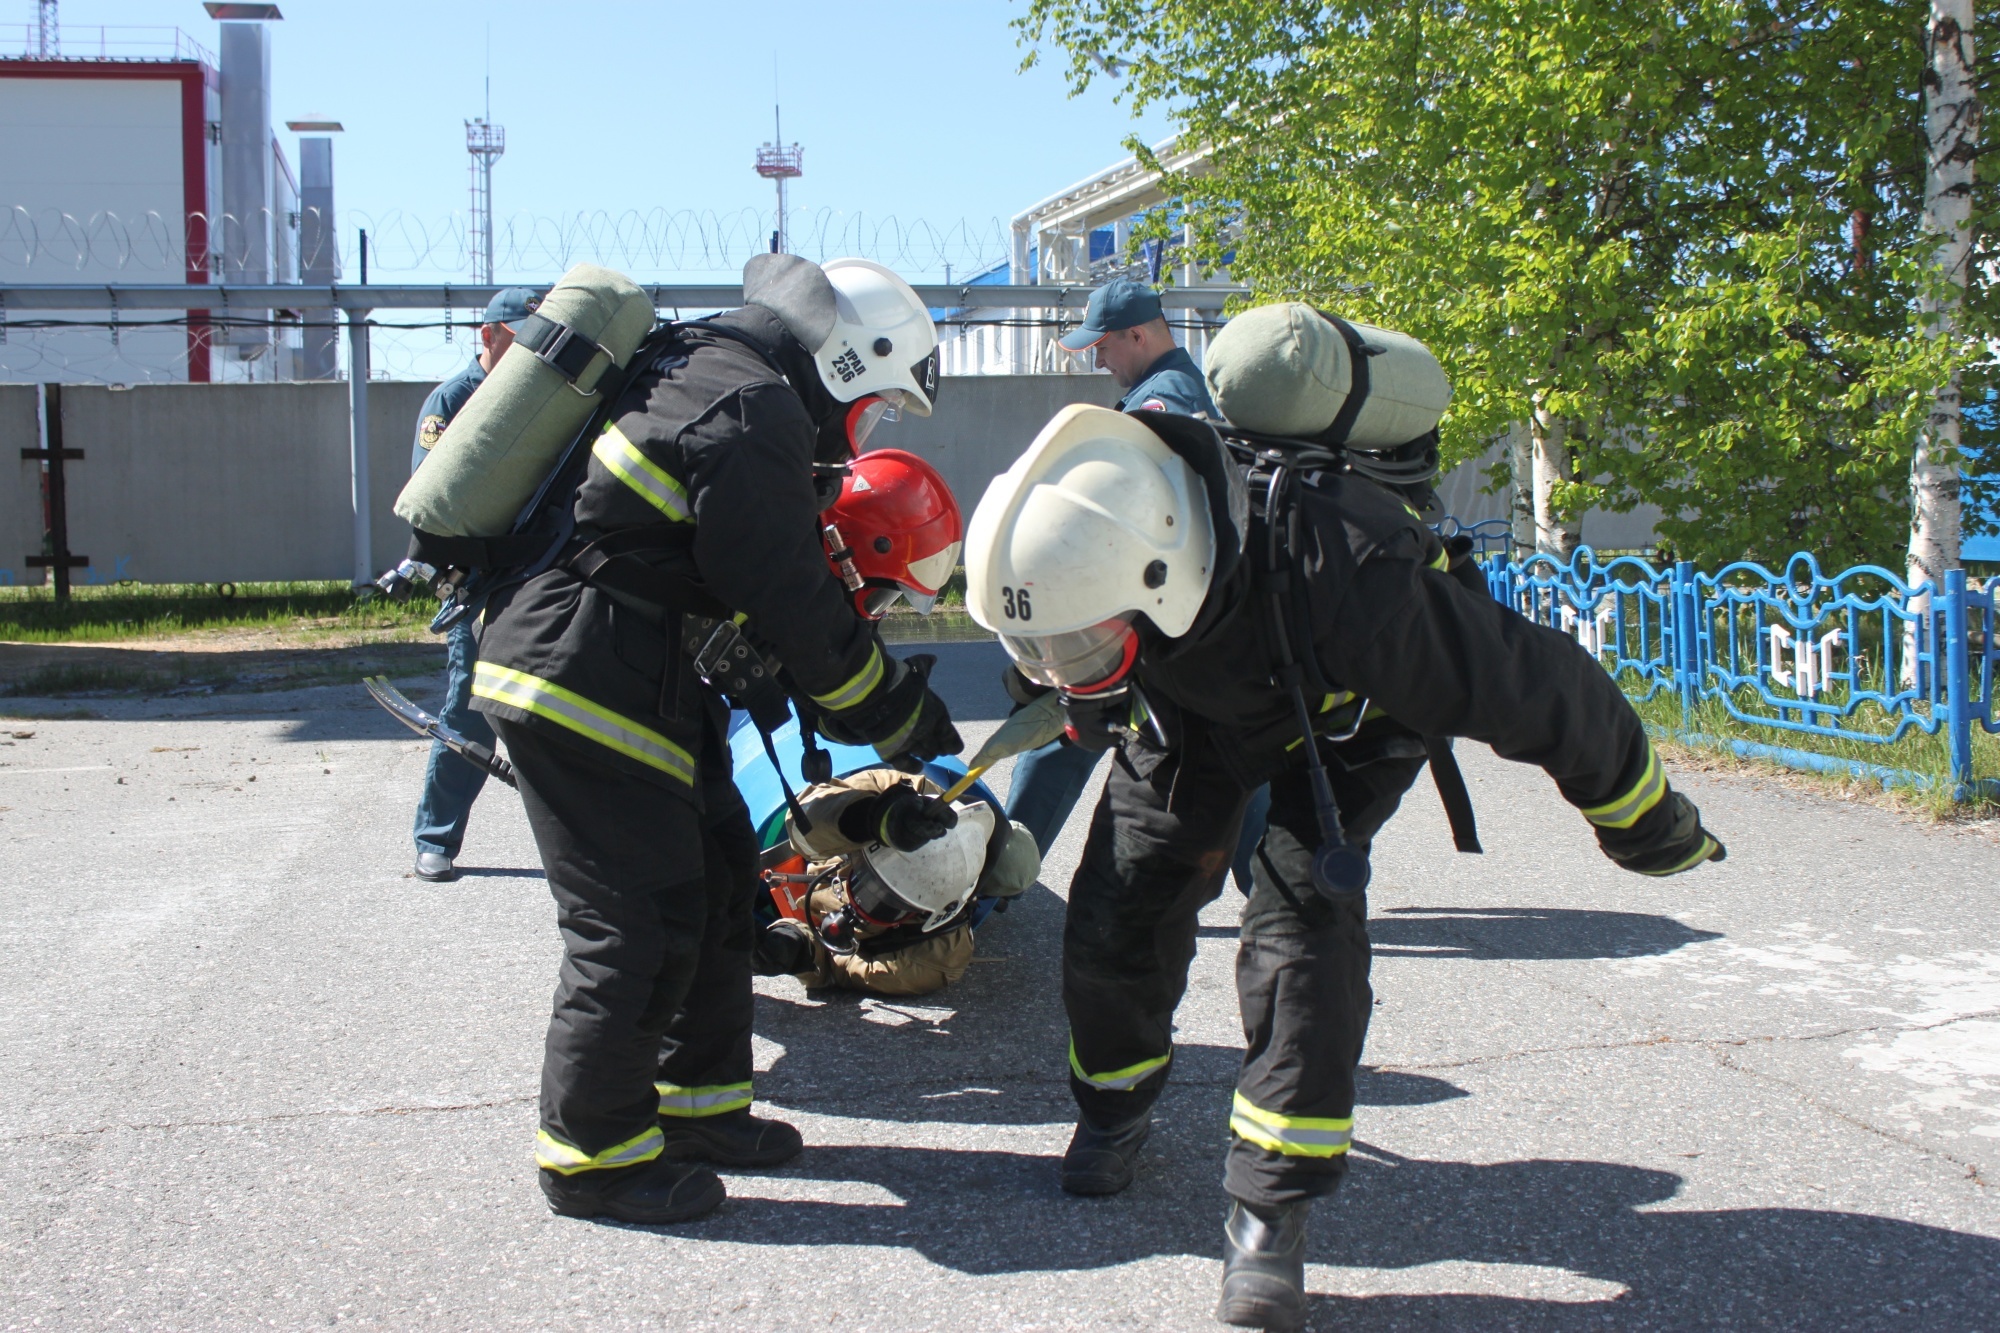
1083 660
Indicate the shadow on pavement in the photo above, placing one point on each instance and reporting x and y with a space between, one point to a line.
1527 933
990 1212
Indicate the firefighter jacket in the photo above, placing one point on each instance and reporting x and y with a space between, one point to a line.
710 450
1405 648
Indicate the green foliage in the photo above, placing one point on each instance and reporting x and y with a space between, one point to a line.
1690 228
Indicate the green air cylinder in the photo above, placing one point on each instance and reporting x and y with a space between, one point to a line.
514 428
1287 370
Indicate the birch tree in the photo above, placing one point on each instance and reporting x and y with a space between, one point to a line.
1683 242
1951 133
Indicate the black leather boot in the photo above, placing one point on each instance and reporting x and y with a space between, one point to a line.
652 1193
734 1138
1100 1161
1264 1266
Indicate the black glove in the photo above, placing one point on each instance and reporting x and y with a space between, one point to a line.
1019 688
1099 721
905 721
1665 840
902 817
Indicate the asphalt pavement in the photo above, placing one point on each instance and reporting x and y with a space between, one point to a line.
257 1075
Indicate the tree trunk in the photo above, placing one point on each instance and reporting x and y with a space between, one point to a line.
1521 487
1951 122
1554 535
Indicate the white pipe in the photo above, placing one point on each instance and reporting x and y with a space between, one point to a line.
357 442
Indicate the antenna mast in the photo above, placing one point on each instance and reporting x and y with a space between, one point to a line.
777 161
485 142
48 39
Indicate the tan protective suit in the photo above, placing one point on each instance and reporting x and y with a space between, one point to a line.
924 965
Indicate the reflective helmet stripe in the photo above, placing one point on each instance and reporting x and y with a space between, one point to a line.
1625 811
568 1159
570 710
652 482
1294 1136
858 687
676 1100
1117 1080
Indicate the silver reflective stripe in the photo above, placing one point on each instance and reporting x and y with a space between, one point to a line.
857 688
567 708
653 483
1625 811
679 1101
1117 1080
1294 1136
569 1159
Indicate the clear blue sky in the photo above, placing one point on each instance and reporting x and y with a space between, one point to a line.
907 109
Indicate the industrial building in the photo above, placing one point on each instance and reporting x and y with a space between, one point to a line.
1078 237
138 156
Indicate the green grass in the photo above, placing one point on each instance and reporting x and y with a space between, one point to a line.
1927 756
165 610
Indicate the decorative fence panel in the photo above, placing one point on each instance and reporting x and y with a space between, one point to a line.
1859 657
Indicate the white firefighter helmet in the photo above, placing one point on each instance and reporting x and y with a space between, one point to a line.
935 880
1097 523
882 341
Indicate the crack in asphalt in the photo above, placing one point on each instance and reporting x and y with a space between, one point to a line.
279 1118
1971 1169
1695 1042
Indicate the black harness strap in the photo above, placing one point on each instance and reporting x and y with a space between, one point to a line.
1359 350
1457 801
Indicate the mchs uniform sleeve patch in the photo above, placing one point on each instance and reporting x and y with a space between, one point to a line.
429 430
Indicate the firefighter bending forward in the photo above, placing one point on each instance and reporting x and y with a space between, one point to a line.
704 477
1145 615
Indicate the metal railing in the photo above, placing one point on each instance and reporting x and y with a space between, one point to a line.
1859 657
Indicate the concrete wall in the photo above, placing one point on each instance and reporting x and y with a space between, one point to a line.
1459 495
984 422
20 485
207 483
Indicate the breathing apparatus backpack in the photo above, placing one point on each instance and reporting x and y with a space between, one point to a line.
1305 391
494 506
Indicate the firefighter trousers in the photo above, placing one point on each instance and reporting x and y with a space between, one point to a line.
653 899
1161 841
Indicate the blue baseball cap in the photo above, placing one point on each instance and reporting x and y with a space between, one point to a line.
511 305
1118 304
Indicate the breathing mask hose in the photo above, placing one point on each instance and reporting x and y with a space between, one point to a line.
1338 870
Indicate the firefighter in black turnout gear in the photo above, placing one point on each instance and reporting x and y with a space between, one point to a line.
1202 614
696 566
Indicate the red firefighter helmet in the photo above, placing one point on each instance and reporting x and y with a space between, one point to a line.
894 532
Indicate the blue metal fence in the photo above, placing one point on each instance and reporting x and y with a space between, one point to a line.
1860 656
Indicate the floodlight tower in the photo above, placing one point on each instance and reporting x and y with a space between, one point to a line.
484 142
777 161
48 39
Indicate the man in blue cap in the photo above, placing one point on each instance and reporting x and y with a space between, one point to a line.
450 783
1124 326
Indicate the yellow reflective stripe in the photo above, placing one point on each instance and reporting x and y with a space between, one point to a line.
1443 560
1292 1135
1335 700
654 485
1707 850
568 709
1625 811
892 745
568 1159
1118 1080
858 688
676 1100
